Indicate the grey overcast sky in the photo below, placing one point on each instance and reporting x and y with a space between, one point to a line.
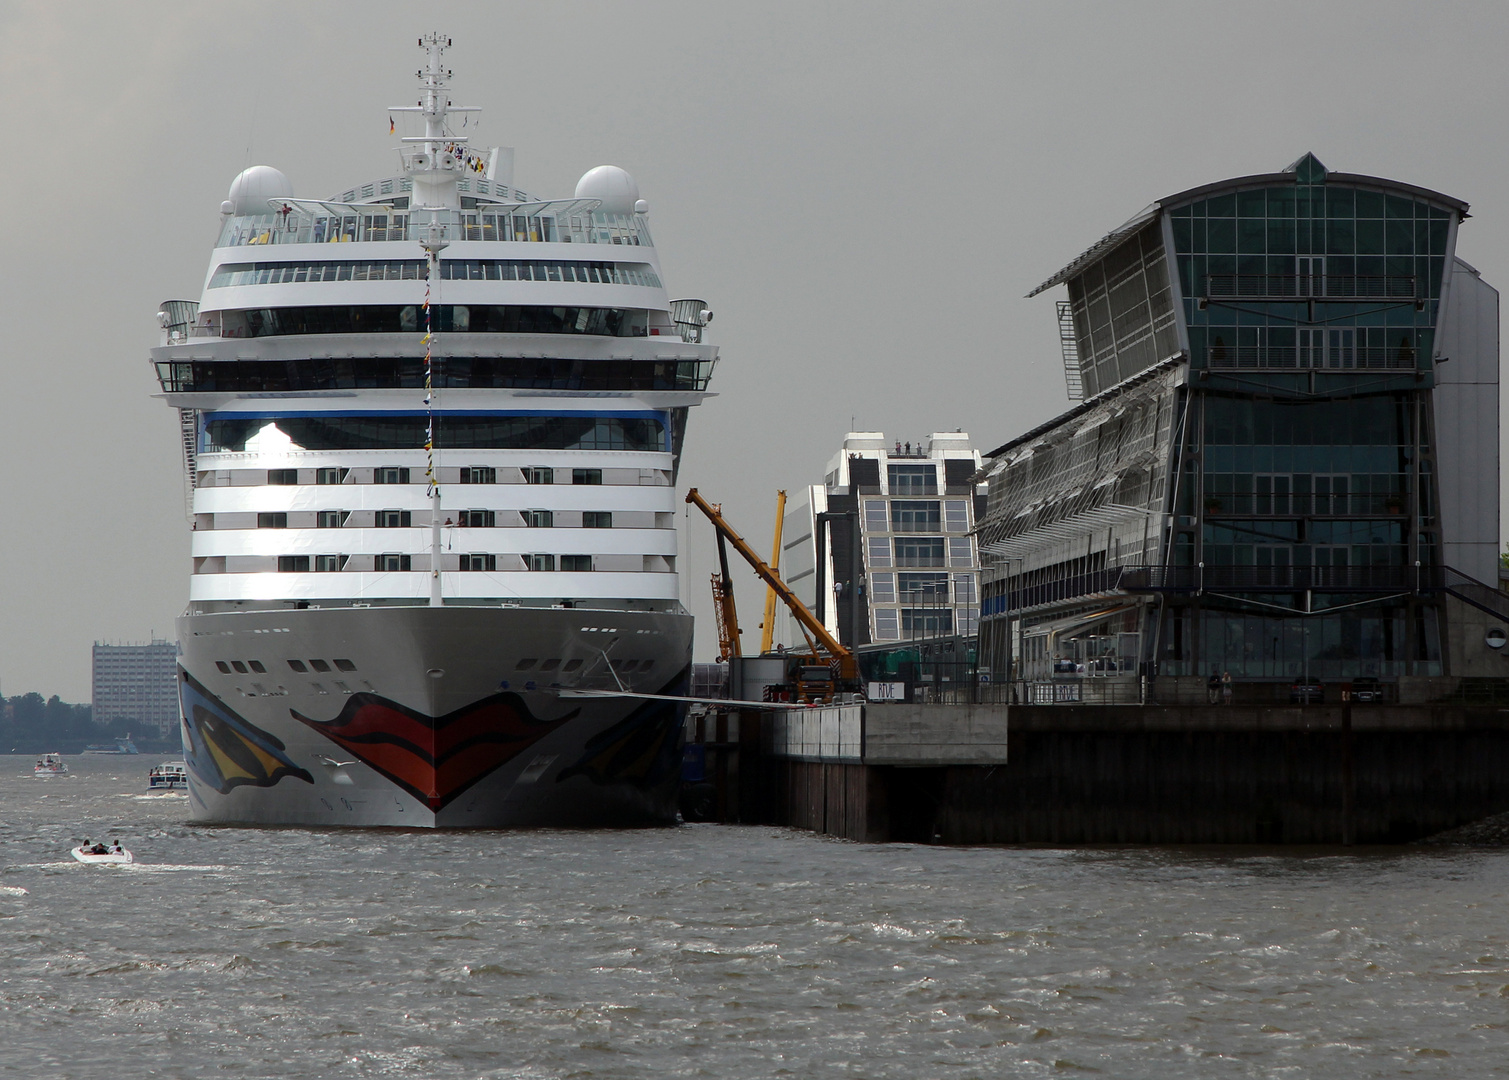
862 191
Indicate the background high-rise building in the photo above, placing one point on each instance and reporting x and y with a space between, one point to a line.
137 685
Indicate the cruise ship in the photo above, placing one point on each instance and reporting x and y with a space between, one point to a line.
431 429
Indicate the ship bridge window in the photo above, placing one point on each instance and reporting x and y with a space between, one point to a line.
457 431
457 371
282 273
459 318
589 273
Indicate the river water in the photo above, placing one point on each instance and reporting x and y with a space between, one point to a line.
721 951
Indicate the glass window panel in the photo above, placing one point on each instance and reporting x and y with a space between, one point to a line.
1369 204
1252 235
1280 236
1221 237
1369 236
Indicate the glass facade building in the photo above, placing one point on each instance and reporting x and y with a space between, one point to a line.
1317 496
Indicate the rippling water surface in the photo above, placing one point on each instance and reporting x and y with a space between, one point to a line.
720 952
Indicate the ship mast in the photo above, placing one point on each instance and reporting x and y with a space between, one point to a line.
433 162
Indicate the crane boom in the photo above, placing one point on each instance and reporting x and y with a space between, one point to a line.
768 626
848 669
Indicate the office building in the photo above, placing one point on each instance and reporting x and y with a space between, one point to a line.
137 685
1283 459
882 550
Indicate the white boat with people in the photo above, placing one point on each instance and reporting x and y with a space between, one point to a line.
169 776
48 766
111 854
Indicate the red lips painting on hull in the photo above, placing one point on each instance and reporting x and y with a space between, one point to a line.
433 758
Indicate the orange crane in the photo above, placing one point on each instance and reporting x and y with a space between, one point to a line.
767 626
848 669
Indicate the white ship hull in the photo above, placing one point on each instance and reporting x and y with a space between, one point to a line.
437 716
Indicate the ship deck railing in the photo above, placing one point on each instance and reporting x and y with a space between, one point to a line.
539 223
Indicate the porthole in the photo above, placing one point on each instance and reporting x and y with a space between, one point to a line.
345 665
225 669
1495 638
298 665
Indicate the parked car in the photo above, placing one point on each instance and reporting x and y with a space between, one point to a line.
1306 692
1366 689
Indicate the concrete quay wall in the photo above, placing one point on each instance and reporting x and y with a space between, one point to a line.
1152 775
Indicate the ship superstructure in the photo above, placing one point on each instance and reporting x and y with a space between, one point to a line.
431 430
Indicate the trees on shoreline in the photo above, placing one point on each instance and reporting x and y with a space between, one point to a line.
32 724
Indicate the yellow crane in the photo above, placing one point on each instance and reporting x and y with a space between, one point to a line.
767 627
727 615
848 669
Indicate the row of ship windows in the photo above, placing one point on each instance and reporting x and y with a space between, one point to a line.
531 663
471 474
240 666
280 273
396 563
403 519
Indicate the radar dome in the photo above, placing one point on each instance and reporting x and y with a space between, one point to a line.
251 190
614 187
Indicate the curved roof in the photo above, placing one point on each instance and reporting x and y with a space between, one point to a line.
1309 164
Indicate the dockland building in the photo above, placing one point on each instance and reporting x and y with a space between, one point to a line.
1283 461
883 552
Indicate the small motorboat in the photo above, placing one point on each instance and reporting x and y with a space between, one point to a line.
48 766
99 853
169 776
